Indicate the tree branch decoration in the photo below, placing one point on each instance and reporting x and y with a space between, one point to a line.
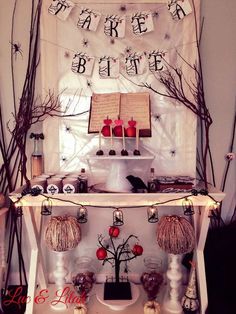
115 255
30 110
191 95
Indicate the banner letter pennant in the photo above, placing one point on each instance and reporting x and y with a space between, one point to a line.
88 19
142 23
82 64
109 67
179 8
155 60
114 26
135 64
61 8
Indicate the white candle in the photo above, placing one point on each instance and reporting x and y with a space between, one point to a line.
100 139
123 136
137 138
111 136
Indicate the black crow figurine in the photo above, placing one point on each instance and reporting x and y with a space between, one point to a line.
138 185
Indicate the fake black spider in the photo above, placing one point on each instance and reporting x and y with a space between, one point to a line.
16 48
173 152
157 117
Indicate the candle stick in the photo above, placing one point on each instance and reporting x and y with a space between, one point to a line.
100 151
112 151
124 151
100 139
137 138
136 151
123 137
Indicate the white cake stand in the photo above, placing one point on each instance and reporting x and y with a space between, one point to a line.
116 180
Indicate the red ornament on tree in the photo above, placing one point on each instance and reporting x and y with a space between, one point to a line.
137 250
117 254
114 232
101 253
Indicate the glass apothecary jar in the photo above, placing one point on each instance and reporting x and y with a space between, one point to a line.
83 277
152 278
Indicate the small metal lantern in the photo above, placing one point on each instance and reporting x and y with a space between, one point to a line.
82 215
152 213
46 207
188 207
19 210
118 217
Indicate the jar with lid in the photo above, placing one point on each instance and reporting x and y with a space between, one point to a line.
152 278
83 277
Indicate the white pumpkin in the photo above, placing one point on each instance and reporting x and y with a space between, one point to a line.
80 309
151 307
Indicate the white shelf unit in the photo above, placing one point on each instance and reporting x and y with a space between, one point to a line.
32 207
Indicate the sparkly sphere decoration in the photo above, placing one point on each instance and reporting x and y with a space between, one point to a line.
175 235
62 233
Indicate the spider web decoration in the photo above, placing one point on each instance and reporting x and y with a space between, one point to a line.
179 8
88 19
142 23
61 8
175 130
114 26
109 67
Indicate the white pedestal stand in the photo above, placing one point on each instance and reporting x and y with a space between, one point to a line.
116 179
59 274
174 275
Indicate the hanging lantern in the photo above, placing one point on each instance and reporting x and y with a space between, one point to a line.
188 207
214 209
46 207
118 217
62 233
19 210
175 235
152 213
82 215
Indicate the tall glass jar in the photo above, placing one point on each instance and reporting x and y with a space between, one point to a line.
152 278
83 277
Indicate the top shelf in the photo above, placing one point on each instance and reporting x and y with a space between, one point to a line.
119 199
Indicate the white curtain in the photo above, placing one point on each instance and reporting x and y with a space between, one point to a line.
67 144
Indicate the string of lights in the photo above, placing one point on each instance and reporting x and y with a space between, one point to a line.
82 213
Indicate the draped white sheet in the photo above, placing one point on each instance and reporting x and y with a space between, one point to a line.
67 144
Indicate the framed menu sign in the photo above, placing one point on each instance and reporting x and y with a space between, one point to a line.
127 106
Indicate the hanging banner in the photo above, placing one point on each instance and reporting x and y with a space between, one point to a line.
179 8
109 67
155 60
88 19
82 64
135 64
61 8
114 26
142 22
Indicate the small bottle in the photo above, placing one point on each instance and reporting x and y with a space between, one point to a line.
152 184
83 182
37 156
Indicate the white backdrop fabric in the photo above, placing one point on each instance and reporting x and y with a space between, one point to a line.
67 145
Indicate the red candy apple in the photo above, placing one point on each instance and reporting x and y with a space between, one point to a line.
137 250
131 130
106 129
114 232
101 253
118 128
